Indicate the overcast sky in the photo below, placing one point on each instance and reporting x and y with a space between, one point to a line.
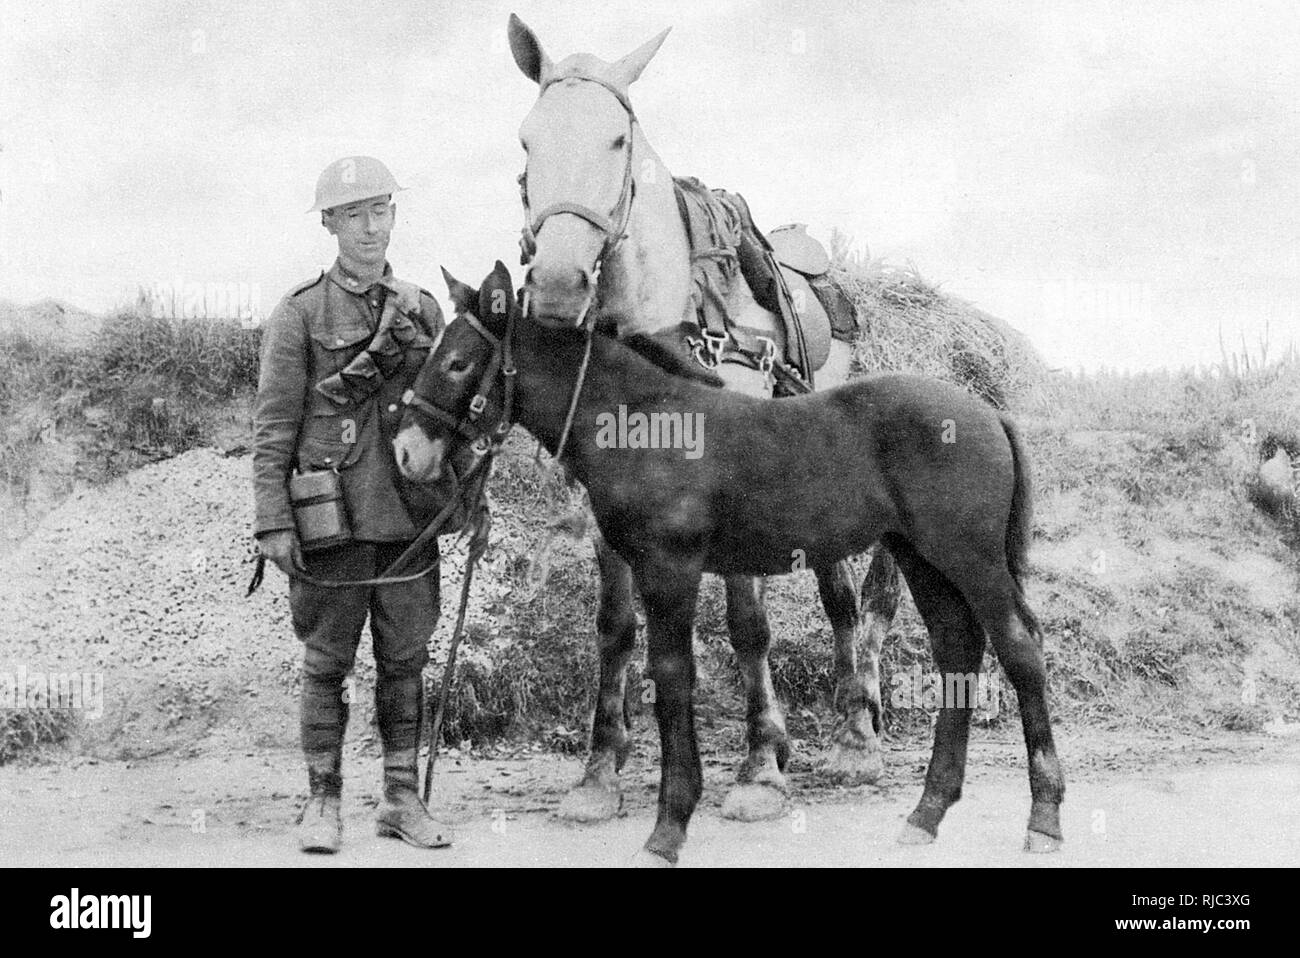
1118 180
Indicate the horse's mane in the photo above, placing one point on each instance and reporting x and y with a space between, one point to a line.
667 350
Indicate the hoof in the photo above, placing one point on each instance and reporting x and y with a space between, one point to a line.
912 835
853 766
1040 844
648 859
754 803
590 802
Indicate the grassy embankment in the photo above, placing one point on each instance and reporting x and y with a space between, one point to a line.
1166 595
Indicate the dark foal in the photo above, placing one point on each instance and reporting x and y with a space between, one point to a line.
858 625
923 466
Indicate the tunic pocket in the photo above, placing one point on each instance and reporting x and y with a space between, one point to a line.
331 441
335 348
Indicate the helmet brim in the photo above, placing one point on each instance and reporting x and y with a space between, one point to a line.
318 208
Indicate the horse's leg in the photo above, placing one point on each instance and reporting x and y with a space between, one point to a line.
958 642
759 792
597 797
669 593
860 632
1020 650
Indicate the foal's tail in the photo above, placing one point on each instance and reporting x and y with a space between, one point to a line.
1020 523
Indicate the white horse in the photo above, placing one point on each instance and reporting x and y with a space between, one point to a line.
603 233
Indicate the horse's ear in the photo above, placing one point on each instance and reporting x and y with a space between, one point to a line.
527 49
463 297
629 68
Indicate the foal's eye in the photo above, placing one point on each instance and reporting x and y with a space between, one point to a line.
457 366
620 141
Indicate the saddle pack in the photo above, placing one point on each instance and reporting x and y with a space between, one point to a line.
787 274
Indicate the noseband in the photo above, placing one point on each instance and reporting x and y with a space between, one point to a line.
612 227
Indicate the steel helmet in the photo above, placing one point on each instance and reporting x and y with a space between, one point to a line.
352 179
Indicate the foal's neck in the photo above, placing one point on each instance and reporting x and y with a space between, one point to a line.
548 362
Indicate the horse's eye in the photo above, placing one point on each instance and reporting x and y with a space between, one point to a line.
457 366
620 141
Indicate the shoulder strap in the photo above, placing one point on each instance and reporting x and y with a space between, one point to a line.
307 284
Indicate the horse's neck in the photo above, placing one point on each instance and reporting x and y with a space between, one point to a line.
649 274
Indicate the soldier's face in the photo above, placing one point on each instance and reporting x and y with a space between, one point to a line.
363 229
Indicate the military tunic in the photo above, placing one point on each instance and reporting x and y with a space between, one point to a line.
315 333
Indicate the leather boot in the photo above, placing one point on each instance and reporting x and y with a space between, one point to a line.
402 814
320 826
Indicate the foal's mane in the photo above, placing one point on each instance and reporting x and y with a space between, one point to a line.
667 350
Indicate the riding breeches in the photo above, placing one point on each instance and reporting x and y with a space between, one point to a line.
329 622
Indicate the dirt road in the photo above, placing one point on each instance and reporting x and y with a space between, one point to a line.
1223 803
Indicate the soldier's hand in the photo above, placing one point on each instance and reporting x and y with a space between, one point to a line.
282 548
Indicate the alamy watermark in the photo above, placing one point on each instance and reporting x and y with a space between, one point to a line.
177 299
655 430
1084 301
945 690
83 691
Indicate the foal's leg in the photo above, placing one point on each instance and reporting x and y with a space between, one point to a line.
760 790
855 752
1020 650
597 797
670 593
958 642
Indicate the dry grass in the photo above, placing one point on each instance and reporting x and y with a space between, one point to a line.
24 729
136 389
910 325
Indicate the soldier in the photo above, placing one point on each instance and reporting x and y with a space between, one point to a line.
338 352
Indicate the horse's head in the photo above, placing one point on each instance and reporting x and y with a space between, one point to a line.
455 409
578 181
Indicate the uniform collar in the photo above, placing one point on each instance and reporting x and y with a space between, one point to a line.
346 281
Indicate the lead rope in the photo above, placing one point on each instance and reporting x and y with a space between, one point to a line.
477 546
540 566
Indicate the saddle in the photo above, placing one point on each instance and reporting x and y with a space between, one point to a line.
788 276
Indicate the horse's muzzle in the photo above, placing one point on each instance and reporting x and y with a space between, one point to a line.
557 296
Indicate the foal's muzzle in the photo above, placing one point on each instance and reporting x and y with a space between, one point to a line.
419 458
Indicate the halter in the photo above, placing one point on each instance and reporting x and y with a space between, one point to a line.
484 442
612 226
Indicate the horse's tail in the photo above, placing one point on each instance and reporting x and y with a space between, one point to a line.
1020 523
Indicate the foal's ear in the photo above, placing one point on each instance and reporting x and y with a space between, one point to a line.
527 49
465 298
501 277
496 297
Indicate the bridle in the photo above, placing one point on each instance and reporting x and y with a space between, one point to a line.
612 226
484 441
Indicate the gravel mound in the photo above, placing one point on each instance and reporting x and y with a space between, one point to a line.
141 585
